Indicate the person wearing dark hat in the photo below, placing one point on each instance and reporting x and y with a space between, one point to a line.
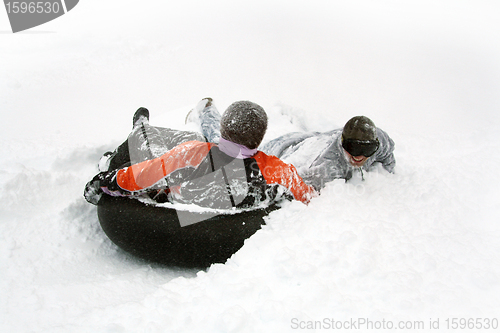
358 146
222 169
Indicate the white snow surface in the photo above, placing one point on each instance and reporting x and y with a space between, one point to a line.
419 245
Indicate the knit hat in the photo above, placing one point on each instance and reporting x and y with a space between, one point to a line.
244 123
360 128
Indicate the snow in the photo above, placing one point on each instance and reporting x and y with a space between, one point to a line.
419 245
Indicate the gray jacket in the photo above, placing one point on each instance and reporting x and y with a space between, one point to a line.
320 158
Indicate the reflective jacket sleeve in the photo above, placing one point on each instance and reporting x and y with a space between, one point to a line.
275 171
385 154
144 175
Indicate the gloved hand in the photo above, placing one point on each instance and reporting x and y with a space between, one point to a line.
104 182
93 191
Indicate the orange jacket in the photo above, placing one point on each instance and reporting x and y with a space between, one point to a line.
198 172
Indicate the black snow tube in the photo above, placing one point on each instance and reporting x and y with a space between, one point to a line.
155 233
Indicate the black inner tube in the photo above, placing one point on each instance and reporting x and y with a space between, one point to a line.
155 234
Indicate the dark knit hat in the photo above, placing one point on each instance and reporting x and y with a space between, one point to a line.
360 128
244 123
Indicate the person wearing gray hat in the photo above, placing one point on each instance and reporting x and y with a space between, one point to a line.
219 168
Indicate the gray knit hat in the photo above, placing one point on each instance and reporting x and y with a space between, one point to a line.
244 123
360 128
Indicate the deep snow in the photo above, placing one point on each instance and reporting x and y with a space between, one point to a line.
419 245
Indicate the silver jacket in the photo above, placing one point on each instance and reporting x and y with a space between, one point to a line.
320 158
